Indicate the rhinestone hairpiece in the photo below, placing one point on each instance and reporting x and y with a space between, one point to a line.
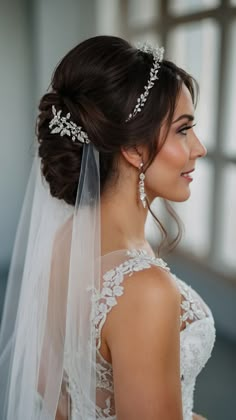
157 53
66 127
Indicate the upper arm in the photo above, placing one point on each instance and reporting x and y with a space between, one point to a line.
143 335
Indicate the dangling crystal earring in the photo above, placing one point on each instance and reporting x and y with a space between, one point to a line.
142 193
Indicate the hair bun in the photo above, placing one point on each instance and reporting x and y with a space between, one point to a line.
61 157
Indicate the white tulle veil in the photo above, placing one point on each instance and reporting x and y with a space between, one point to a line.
48 305
47 337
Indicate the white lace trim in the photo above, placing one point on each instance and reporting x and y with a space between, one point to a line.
196 344
105 299
192 308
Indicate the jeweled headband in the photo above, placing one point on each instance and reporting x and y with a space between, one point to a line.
65 126
157 53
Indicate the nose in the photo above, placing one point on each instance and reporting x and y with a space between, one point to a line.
198 149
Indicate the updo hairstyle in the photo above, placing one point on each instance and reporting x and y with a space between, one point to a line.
99 82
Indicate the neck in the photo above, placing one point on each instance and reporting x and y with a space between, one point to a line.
122 221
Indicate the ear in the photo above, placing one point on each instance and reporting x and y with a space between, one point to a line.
133 155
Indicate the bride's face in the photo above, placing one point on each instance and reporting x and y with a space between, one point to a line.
179 153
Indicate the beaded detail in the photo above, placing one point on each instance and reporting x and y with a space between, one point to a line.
112 285
196 339
196 345
191 308
157 53
66 127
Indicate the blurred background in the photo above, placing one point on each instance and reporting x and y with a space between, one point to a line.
199 35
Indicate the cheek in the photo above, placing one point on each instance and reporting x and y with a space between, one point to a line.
173 156
171 160
165 170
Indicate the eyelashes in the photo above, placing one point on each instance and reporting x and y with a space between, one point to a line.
183 130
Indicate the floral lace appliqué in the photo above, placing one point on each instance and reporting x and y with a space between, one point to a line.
196 345
112 285
192 309
196 339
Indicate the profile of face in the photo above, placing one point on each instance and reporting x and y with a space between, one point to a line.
166 176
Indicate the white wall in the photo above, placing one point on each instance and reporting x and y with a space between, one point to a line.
34 36
59 25
16 131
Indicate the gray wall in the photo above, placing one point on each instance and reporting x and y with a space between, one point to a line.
34 35
16 132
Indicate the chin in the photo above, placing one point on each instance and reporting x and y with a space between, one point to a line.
175 196
181 197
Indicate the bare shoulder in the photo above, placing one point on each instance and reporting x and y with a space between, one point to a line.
147 295
152 284
143 336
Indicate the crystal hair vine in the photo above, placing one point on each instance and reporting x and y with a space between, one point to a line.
66 127
157 53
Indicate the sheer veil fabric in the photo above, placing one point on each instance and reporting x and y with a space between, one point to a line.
49 301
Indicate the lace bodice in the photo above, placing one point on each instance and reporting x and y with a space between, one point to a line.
197 333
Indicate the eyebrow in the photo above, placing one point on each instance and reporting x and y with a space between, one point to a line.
184 116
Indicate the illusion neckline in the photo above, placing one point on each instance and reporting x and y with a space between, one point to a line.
130 251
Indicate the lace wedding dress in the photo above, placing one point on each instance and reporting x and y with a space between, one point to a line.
197 331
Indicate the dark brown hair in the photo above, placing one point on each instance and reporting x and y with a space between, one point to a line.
99 82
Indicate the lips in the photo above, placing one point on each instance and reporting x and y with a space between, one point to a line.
187 175
187 172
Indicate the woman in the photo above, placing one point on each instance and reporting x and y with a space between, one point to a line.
102 329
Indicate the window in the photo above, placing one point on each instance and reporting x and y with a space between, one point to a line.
190 46
228 238
200 36
142 12
229 129
181 7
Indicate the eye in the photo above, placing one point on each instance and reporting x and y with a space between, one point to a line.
183 130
